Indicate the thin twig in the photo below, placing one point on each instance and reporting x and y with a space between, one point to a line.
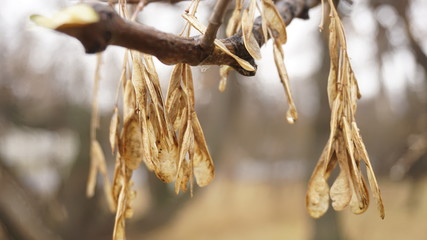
215 22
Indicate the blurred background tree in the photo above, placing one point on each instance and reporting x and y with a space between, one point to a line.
263 163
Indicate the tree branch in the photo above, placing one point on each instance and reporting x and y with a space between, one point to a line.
171 49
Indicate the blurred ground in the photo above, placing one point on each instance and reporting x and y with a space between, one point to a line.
252 211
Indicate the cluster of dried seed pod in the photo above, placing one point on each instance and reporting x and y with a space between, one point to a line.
194 158
345 147
273 26
164 134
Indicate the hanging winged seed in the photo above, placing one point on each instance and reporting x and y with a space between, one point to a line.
164 154
186 143
167 165
204 170
223 72
234 21
183 177
291 115
146 142
149 63
138 79
156 102
202 29
173 95
176 103
131 142
157 134
264 27
129 104
154 79
123 195
96 156
119 224
184 167
114 130
317 197
249 40
188 83
360 200
361 150
117 179
333 54
335 113
340 192
274 21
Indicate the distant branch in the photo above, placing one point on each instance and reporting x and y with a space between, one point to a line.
171 49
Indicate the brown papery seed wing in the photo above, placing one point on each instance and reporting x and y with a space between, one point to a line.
249 40
234 21
317 197
132 145
129 101
223 72
370 172
138 78
341 192
96 159
274 21
204 170
291 115
197 25
167 165
114 130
